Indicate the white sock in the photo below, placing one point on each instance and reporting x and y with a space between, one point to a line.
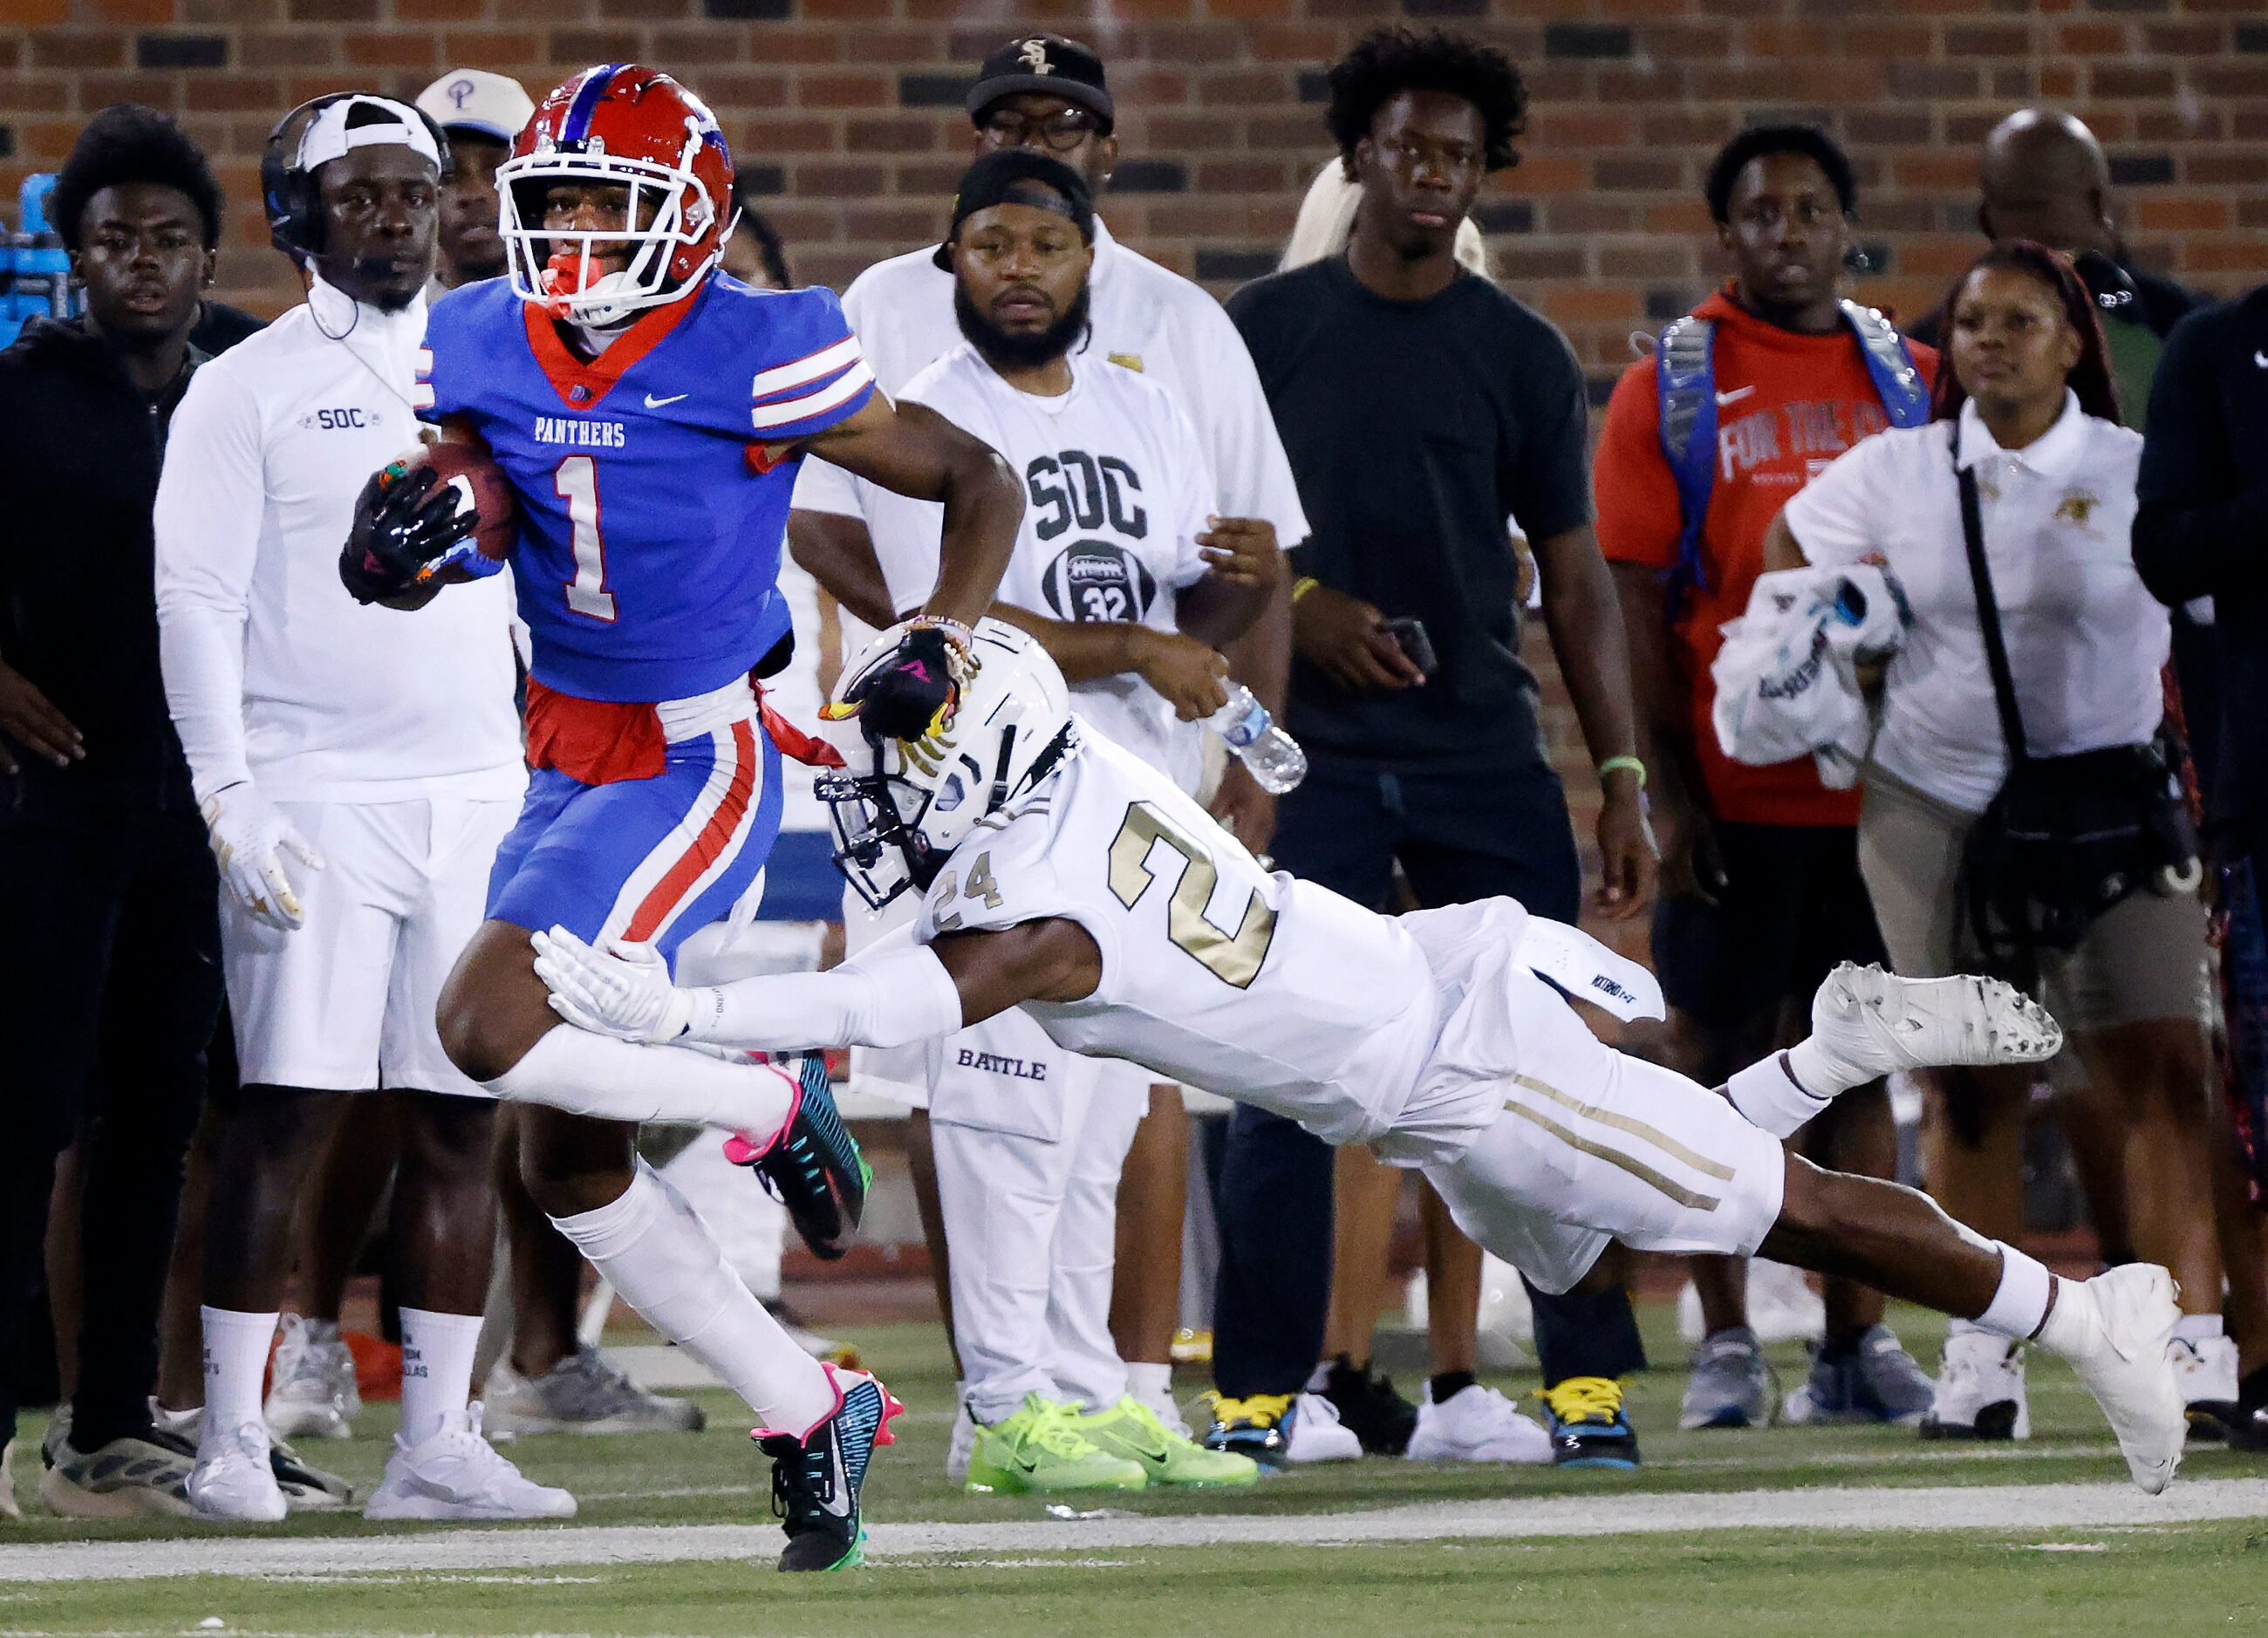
610 1080
1779 1094
236 1360
2021 1302
1152 1385
437 1370
656 1251
2198 1327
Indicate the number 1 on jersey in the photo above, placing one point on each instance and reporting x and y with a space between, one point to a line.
576 483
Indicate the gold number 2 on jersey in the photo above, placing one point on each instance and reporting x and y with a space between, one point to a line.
1232 959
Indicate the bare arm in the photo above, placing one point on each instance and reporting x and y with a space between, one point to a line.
839 554
1664 737
913 450
1186 672
1047 960
1246 570
1782 550
1582 613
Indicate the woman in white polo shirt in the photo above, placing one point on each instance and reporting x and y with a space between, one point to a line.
2029 407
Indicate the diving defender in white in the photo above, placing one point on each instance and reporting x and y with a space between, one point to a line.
1061 875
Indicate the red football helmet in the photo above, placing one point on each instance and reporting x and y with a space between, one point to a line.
631 127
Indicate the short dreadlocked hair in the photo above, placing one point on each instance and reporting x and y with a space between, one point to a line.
1387 62
1758 140
129 143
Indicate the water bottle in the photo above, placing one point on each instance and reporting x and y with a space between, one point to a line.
1271 756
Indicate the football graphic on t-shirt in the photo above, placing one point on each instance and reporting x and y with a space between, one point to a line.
1094 580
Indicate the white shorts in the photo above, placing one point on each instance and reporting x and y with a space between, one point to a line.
1584 1145
346 1003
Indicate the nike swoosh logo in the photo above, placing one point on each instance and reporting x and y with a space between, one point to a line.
652 402
1735 396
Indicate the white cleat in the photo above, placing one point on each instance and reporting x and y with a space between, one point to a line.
313 1395
455 1472
233 1478
1873 1022
1476 1424
1317 1434
1979 1392
2114 1330
2206 1367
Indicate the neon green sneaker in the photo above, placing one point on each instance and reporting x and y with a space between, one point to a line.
1133 1429
1041 1448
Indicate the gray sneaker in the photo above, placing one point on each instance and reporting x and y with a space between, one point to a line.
1731 1386
581 1394
311 1393
1877 1381
129 1478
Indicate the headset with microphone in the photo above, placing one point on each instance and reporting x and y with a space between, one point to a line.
293 201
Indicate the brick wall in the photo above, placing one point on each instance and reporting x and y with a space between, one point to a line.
849 112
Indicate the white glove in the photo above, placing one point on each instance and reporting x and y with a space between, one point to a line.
622 990
249 837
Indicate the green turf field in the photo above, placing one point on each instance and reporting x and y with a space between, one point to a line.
1660 1555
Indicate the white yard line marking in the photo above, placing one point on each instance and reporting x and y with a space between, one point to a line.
1996 1507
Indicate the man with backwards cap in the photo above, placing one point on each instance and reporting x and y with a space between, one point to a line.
1127 580
479 113
355 771
1047 94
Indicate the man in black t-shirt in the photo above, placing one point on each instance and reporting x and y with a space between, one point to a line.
111 997
1422 409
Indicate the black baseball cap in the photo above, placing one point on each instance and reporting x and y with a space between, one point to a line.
1020 177
1044 62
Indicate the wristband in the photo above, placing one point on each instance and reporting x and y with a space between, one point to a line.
1614 763
1304 584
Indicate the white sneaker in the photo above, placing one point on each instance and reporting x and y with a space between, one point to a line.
1871 1022
313 1394
233 1478
454 1472
1476 1424
2207 1370
10 1509
1317 1433
1980 1391
2114 1330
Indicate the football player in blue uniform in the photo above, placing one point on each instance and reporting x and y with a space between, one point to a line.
649 413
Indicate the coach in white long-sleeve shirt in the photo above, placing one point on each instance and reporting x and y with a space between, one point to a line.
358 770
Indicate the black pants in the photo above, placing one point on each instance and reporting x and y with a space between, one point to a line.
110 984
1458 837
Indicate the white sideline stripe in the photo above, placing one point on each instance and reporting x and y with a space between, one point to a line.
1995 1508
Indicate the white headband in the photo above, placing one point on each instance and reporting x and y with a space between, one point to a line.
327 136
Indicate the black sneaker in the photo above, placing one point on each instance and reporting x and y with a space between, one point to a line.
1369 1407
816 1478
815 1169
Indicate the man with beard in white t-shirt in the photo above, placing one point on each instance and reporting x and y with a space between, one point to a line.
1131 585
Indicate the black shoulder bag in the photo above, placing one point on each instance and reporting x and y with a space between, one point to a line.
2066 837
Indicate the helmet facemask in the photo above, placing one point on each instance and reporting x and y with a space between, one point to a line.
562 270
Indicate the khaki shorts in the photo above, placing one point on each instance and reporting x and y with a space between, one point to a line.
2143 959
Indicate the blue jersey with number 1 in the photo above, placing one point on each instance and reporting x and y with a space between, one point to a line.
650 533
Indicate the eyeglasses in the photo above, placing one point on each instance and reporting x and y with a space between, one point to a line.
1060 132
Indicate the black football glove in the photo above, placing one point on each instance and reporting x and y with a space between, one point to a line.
403 521
911 695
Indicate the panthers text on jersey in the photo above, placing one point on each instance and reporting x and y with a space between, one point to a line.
1215 973
1116 488
651 524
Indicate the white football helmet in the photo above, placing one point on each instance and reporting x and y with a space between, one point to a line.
900 806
